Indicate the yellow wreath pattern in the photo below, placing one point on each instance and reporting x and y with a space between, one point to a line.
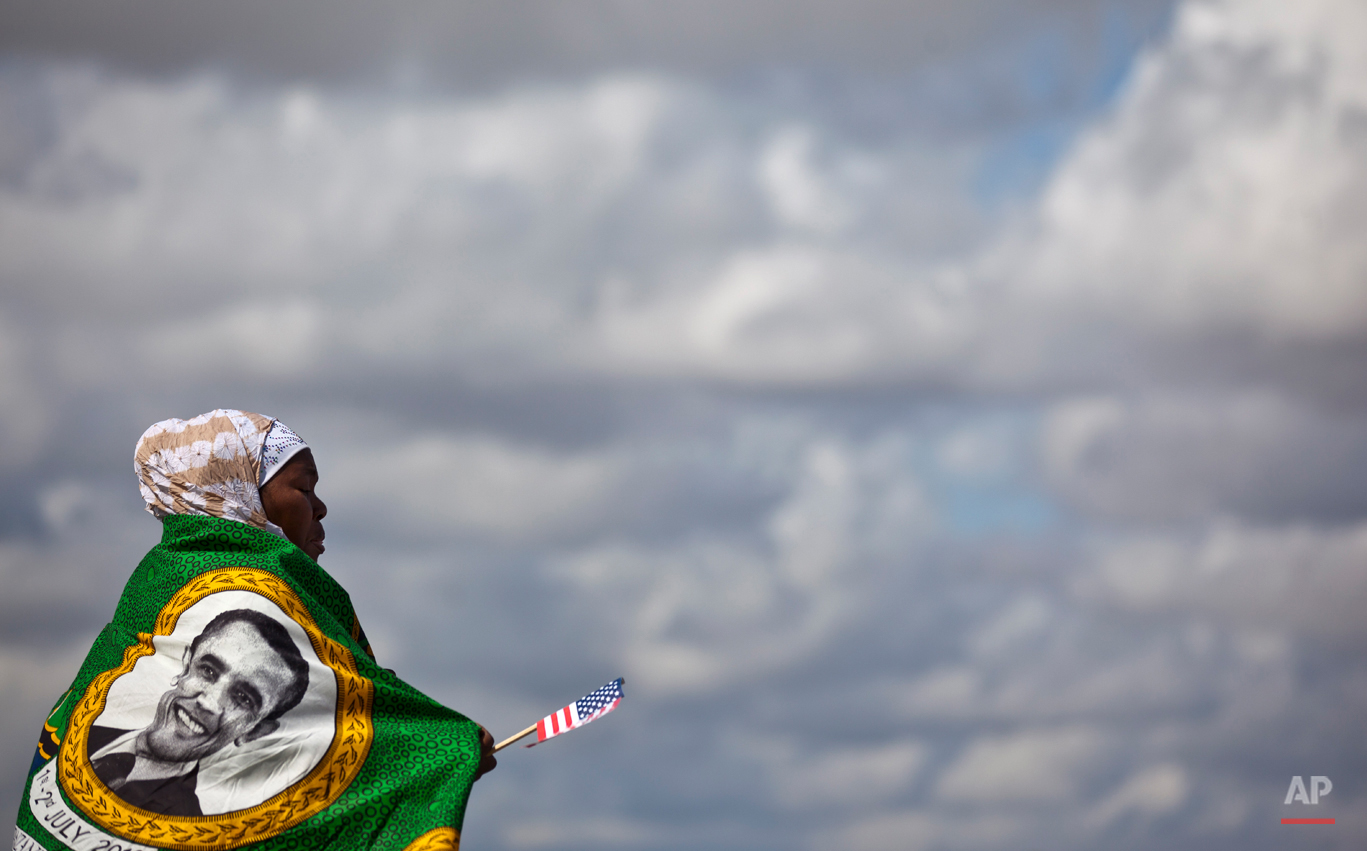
354 732
436 839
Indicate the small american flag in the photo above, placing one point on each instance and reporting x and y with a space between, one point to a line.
590 707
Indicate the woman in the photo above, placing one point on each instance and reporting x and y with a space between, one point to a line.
233 700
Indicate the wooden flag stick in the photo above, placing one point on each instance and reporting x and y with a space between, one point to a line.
532 729
503 744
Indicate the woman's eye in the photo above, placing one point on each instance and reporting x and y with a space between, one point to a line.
208 672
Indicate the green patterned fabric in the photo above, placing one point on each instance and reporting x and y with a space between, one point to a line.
413 782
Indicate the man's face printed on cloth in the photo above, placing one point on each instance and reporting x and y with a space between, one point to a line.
231 684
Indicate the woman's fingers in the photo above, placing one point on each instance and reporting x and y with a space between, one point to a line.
487 762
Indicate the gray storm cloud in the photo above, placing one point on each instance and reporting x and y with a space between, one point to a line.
493 43
918 520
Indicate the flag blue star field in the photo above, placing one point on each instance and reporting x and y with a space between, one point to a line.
590 707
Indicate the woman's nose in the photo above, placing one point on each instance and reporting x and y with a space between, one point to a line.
320 509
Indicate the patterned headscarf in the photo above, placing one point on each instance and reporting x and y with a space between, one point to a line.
213 464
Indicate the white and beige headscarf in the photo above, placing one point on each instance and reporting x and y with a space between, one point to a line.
213 465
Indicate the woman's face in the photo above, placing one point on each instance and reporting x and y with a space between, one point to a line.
292 505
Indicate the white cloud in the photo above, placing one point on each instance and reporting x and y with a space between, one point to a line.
1149 792
1226 189
861 777
1027 618
474 485
802 196
24 413
235 201
977 451
914 830
578 228
553 229
279 341
1298 578
945 692
713 611
587 831
1166 456
1036 766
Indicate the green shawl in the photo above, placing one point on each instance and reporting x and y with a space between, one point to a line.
357 760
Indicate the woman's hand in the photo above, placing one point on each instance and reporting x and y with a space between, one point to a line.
487 763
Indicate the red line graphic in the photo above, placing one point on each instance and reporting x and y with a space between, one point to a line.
1307 821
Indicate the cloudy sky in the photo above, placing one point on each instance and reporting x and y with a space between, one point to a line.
950 418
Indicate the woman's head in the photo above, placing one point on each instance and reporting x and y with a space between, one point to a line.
234 465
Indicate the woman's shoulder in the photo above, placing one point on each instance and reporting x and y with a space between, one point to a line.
192 546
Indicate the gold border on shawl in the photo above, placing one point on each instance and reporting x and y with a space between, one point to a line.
354 732
436 839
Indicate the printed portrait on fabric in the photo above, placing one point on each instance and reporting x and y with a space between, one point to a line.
235 718
232 708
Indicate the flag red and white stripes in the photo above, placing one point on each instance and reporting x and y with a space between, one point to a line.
590 707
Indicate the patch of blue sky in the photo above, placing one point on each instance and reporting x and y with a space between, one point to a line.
1058 94
980 472
985 512
1016 166
1123 38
